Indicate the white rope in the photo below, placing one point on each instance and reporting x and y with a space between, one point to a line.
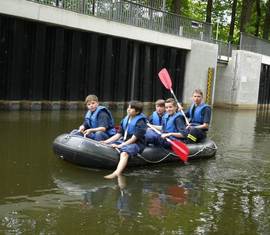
140 156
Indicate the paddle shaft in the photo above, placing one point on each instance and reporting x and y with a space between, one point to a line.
187 122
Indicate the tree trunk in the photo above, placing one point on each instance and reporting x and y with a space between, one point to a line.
232 24
258 18
209 11
176 6
246 14
266 26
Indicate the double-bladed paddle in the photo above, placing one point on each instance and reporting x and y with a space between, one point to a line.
178 147
167 82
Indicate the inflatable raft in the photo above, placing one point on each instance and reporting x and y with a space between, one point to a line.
90 153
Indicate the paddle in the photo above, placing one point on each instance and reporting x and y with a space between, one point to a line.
178 147
167 82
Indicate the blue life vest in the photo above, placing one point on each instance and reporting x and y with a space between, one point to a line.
156 119
169 122
197 119
132 124
92 120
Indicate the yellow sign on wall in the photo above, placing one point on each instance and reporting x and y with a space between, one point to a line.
209 90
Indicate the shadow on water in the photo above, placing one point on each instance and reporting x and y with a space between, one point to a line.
221 195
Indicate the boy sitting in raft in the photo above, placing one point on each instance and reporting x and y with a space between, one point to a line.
199 114
130 138
98 121
156 117
173 125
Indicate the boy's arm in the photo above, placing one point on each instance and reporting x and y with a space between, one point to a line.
115 137
103 129
139 133
180 126
140 129
206 118
131 140
180 123
81 128
84 126
103 120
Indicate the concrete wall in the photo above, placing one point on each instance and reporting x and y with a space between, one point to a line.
202 56
54 15
237 84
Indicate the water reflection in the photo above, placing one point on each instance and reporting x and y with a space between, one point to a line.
94 191
263 121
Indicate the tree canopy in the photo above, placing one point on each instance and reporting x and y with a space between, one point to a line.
228 17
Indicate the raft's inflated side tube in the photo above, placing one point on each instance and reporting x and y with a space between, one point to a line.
90 153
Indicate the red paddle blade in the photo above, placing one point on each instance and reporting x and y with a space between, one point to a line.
180 149
165 78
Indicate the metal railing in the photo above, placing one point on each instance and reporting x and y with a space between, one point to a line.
254 44
157 4
135 14
225 49
145 14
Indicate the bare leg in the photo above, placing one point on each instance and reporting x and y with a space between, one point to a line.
120 167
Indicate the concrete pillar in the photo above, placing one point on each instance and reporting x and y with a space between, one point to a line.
237 83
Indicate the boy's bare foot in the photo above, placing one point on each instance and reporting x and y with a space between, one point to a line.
110 176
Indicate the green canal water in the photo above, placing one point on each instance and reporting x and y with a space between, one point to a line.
41 194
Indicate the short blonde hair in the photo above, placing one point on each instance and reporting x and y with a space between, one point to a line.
90 98
172 101
198 91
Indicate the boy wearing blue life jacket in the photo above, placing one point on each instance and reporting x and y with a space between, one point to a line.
173 125
156 117
199 114
156 120
130 138
173 122
98 121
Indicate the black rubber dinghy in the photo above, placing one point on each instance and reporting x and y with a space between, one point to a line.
90 153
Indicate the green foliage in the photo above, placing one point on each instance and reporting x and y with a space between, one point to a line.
196 9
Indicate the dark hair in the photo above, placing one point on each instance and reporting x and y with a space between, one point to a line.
160 103
172 100
137 105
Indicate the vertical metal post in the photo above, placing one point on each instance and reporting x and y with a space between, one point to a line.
163 5
93 7
229 50
240 44
162 19
83 7
217 30
134 65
